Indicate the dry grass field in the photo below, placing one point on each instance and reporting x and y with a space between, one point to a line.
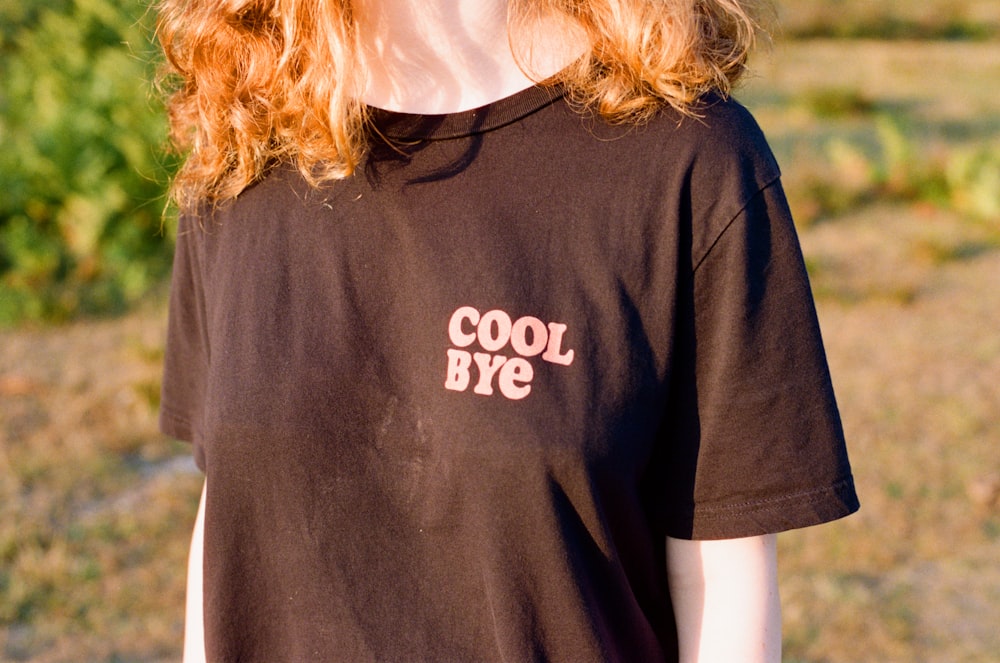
891 153
905 261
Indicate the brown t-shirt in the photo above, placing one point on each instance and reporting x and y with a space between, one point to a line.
450 407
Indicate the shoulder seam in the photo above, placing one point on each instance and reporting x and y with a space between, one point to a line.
728 224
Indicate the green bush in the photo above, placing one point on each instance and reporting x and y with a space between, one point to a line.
896 167
81 174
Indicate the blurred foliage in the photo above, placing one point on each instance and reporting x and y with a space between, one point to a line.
965 179
891 28
82 181
889 20
836 102
82 178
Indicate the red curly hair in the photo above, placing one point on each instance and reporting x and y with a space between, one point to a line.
256 82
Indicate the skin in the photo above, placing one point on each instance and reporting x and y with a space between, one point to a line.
444 56
441 56
194 623
725 597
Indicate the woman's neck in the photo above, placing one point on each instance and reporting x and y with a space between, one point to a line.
443 56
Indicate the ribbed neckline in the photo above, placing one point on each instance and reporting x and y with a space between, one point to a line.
410 126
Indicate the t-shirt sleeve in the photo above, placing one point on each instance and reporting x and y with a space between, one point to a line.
757 444
186 356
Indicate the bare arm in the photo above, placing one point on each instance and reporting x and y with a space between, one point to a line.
725 596
194 627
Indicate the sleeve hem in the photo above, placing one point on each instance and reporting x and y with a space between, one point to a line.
770 516
177 426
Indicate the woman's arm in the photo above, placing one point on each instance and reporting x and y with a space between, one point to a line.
725 596
194 623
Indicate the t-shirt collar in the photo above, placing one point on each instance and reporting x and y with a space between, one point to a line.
411 126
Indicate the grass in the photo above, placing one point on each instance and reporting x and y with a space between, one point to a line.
95 504
862 122
891 162
910 331
892 165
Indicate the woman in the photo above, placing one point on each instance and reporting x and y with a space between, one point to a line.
491 332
